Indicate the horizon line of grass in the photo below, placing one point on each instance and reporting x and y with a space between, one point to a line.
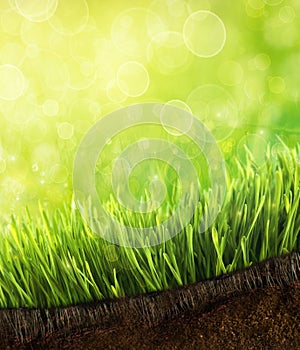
53 261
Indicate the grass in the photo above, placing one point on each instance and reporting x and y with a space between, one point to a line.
55 260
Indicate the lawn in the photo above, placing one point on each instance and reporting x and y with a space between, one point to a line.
53 259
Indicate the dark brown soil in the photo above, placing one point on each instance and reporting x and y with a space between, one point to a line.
257 308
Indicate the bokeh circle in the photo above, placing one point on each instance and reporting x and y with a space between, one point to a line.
36 10
204 33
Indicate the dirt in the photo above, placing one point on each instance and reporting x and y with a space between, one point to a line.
257 308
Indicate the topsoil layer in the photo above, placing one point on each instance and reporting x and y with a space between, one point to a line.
256 308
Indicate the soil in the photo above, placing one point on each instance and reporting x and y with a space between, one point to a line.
256 308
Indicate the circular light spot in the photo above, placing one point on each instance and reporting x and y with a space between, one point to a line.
57 174
273 2
204 34
230 73
70 19
12 82
276 85
36 10
35 167
168 53
287 14
65 131
228 145
256 145
132 30
176 116
133 79
50 108
215 107
262 61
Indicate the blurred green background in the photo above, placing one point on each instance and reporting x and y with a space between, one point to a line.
65 64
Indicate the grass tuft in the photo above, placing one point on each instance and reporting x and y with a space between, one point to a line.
55 260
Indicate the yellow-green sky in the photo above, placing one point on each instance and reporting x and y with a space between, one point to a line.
65 64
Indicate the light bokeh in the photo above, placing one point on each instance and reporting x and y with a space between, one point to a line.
66 64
